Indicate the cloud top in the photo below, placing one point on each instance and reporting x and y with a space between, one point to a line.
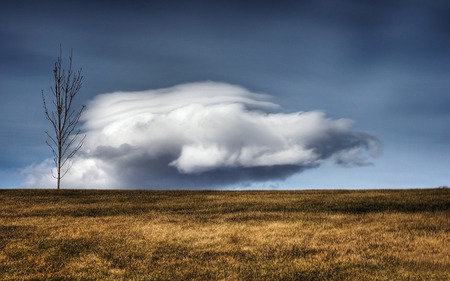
205 135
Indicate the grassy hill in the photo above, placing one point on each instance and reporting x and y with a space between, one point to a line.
225 235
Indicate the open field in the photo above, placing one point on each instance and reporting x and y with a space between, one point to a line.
225 235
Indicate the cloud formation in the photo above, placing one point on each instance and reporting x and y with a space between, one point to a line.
202 135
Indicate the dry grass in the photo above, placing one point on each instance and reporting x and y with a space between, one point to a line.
222 235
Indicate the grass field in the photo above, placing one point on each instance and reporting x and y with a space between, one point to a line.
225 235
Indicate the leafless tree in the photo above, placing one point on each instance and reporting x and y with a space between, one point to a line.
64 139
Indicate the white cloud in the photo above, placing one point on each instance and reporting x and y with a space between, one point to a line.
202 135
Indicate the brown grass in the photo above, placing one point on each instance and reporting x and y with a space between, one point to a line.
224 235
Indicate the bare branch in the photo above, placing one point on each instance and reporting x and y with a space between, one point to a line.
51 170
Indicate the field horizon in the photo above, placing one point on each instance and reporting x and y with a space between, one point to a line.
226 189
341 234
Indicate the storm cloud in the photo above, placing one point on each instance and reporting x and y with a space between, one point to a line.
203 135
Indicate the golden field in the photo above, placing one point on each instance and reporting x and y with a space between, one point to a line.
225 235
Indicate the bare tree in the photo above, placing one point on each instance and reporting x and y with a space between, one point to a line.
64 140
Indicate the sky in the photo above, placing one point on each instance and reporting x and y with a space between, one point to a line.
232 94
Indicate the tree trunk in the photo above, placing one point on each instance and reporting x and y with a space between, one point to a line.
58 179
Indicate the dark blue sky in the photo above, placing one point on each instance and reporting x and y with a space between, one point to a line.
383 64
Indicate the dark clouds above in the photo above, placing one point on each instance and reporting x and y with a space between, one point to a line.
204 135
384 64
